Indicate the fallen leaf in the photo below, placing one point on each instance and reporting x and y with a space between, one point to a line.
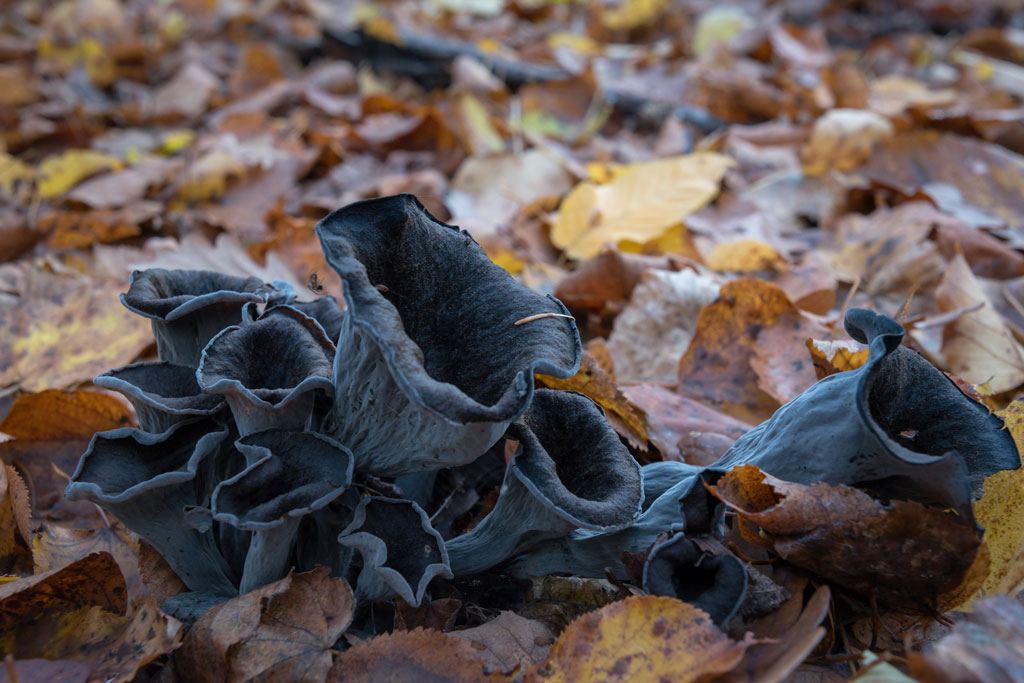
783 649
13 172
69 229
158 579
656 328
508 642
55 546
66 329
651 637
907 554
685 429
94 580
594 382
59 173
843 139
717 367
123 187
53 428
1001 511
639 205
977 346
15 511
46 670
438 615
187 95
605 283
782 368
744 256
282 631
416 655
838 355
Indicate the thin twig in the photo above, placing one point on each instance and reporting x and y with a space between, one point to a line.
539 316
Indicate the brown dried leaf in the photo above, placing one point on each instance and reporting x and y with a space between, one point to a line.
158 579
416 655
906 553
46 670
282 631
92 581
55 546
509 641
984 648
438 615
717 367
977 346
651 637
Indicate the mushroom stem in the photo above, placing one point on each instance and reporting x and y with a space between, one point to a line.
269 555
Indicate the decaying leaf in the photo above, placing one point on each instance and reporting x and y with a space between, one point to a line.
410 655
509 641
282 631
639 205
717 368
843 139
650 637
986 647
15 513
835 356
55 546
978 345
906 554
58 174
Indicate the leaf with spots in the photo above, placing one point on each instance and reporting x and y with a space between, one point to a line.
640 638
417 655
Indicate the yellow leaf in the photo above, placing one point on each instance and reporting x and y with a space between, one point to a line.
13 171
639 205
574 41
745 256
837 356
481 135
208 177
177 140
1001 512
59 173
645 638
720 25
632 14
507 259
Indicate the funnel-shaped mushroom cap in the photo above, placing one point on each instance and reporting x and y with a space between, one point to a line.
269 369
163 393
325 311
569 472
147 481
401 552
301 472
586 552
431 365
188 307
678 568
896 425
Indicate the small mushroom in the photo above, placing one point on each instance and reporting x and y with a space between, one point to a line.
431 365
150 482
896 426
569 472
401 552
269 369
188 307
301 472
162 393
679 568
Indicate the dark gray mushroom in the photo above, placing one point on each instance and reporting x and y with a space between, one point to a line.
896 426
679 568
569 472
439 346
301 472
325 311
269 370
401 552
150 482
188 307
162 393
590 553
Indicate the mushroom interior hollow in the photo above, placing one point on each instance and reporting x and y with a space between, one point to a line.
158 291
160 379
388 523
272 354
138 462
910 400
277 490
458 307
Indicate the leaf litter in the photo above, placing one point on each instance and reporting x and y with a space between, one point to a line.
707 190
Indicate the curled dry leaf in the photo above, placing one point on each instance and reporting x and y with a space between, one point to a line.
843 139
55 546
415 655
282 631
15 514
648 637
94 580
986 647
978 345
509 641
639 205
907 554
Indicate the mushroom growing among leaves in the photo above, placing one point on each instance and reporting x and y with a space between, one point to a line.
273 434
